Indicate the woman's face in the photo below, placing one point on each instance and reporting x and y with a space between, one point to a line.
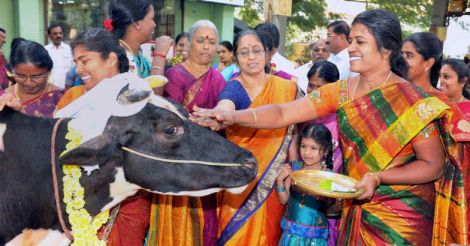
92 68
450 82
146 26
311 152
203 46
251 55
363 52
315 82
182 47
225 56
30 78
417 65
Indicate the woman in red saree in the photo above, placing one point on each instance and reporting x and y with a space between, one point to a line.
183 220
31 67
390 141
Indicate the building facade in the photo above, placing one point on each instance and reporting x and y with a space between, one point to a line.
29 18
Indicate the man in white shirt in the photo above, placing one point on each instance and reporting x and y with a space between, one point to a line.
60 53
319 52
280 62
338 42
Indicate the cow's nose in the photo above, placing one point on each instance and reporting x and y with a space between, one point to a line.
250 163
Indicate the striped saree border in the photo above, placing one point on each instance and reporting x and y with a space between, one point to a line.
260 193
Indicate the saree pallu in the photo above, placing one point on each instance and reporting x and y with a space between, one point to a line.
452 219
42 106
184 88
376 134
253 217
183 220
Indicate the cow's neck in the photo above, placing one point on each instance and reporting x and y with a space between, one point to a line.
105 188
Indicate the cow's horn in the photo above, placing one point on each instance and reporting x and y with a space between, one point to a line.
133 96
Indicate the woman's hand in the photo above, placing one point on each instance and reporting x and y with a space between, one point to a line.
163 45
215 119
9 100
368 183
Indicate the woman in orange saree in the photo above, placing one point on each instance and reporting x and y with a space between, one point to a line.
389 139
183 220
253 217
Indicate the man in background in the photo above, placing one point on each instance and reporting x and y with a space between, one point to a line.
60 53
318 52
337 42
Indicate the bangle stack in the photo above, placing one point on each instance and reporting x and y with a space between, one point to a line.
376 176
281 189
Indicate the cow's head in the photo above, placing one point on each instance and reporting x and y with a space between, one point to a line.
161 151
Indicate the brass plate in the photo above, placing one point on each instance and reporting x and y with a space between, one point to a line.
309 181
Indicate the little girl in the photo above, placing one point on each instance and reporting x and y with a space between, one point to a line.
305 221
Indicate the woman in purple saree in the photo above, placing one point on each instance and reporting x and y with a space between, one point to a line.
183 220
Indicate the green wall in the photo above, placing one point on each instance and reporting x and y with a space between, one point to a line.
24 19
221 15
7 22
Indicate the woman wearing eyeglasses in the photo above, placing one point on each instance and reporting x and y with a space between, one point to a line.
253 217
31 68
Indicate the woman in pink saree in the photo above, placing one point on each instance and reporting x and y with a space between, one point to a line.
186 220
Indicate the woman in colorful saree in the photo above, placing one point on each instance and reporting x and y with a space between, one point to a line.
389 139
183 220
253 217
133 24
455 77
31 67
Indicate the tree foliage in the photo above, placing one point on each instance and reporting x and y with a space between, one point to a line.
412 12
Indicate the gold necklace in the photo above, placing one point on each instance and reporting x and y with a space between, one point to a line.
126 46
17 92
462 98
357 85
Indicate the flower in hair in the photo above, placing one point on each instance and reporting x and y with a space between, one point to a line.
108 25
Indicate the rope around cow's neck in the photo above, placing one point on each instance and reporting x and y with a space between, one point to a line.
56 183
205 163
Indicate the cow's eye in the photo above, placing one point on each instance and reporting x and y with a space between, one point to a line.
171 130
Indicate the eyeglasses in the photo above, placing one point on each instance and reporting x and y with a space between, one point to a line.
35 78
319 49
257 52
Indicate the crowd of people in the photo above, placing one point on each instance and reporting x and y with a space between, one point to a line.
393 114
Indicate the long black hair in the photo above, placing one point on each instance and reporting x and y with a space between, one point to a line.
102 42
386 29
463 73
26 51
428 46
125 12
321 135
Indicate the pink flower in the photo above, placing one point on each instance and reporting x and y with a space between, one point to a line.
108 25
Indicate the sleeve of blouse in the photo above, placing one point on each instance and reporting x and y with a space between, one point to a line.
325 99
231 92
429 131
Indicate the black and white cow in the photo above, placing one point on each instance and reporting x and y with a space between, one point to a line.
26 188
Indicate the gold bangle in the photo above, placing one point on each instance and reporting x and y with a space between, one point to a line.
254 115
157 67
376 176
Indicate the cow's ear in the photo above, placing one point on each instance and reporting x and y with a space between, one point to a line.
95 151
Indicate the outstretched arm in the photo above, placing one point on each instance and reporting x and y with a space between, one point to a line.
268 116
